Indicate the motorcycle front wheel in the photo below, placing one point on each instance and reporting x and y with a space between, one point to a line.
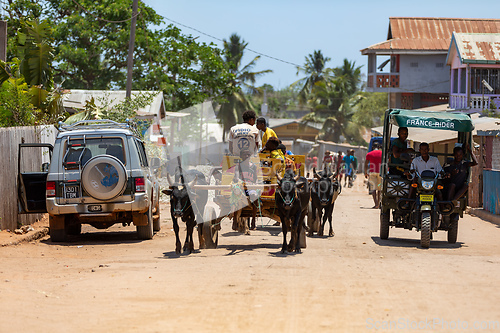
425 230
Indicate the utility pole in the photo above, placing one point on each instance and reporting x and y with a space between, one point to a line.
3 40
130 60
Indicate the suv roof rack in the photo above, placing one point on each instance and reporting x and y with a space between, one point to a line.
98 124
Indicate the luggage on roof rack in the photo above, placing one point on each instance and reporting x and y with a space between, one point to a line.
97 124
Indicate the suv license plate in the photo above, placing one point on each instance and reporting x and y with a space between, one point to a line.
427 197
71 192
95 208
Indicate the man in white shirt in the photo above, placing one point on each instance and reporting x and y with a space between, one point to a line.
244 136
425 161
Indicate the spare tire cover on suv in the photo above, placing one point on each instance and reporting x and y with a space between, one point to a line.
104 177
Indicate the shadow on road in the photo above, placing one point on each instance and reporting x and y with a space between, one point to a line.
174 255
98 238
272 230
404 242
237 248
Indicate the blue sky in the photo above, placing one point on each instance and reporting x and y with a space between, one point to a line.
290 30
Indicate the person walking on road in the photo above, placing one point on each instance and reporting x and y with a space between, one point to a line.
244 136
349 160
372 173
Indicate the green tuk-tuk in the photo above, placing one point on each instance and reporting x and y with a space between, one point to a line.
423 211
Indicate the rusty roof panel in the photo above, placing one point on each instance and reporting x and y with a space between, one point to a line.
406 31
478 48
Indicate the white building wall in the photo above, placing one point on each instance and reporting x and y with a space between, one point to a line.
426 77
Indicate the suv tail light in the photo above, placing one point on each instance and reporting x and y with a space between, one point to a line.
50 189
140 184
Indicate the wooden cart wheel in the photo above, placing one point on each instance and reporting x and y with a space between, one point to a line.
210 230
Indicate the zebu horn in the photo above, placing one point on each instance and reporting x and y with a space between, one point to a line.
316 174
169 179
193 182
296 178
278 177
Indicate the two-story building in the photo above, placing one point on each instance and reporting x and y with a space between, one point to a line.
411 63
475 71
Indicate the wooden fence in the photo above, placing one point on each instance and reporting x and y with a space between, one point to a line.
10 138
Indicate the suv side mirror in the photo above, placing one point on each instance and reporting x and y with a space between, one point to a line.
155 163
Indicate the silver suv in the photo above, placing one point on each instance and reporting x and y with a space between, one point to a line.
99 175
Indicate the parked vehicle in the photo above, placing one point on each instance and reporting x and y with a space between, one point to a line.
424 212
99 174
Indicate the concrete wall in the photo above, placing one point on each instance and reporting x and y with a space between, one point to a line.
427 77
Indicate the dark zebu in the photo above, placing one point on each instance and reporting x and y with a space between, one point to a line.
187 205
324 192
292 197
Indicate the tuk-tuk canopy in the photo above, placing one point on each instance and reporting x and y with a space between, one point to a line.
432 120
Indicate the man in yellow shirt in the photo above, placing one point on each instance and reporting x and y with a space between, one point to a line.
261 125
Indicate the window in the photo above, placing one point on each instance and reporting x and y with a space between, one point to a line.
492 76
292 127
414 64
76 149
142 153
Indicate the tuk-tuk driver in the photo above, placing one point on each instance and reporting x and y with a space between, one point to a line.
425 162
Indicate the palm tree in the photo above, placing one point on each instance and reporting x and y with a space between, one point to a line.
351 74
315 71
230 112
333 100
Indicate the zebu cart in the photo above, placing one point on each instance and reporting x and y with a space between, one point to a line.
221 206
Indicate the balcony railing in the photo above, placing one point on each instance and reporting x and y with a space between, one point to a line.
383 80
477 101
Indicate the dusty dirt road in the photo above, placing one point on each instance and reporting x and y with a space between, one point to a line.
353 282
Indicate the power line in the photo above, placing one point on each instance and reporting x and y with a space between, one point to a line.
104 20
221 40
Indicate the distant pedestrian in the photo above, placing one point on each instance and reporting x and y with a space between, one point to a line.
372 173
349 162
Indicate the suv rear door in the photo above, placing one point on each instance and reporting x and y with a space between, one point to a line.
32 176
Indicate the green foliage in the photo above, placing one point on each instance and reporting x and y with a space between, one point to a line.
121 112
315 71
243 79
34 48
369 112
492 111
333 96
278 101
15 104
91 53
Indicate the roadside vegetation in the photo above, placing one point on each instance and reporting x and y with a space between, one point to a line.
55 45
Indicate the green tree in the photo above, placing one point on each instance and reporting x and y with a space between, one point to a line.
30 73
315 71
333 100
91 48
369 112
243 79
15 104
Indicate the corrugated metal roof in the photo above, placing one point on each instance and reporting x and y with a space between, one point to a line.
77 98
428 33
477 48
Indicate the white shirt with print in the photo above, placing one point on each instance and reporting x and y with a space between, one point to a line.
244 136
